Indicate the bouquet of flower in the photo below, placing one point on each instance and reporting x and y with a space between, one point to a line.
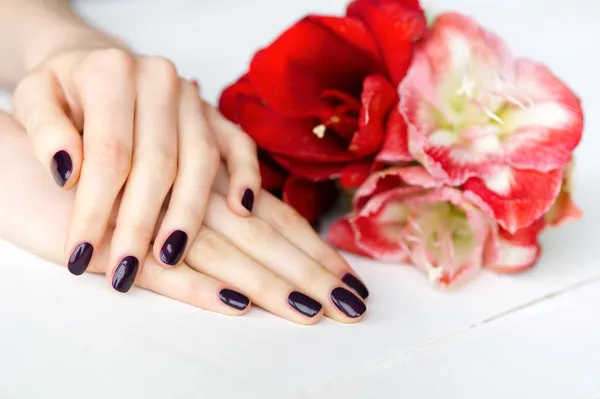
455 154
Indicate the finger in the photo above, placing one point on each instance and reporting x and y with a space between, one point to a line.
182 284
299 232
262 242
154 164
106 90
239 152
290 224
187 285
214 255
197 165
39 105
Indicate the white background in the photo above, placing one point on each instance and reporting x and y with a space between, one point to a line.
535 335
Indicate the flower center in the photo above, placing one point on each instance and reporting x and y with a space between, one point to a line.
477 104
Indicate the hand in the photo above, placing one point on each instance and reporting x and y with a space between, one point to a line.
109 122
273 259
263 258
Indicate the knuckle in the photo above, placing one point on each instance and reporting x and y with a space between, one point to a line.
163 74
257 230
261 287
114 156
160 164
247 142
193 294
211 246
141 232
286 217
210 153
112 61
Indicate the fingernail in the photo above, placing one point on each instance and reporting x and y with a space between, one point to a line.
304 304
248 200
80 258
351 281
347 302
125 274
174 247
234 299
62 167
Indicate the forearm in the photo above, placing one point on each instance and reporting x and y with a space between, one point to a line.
31 31
34 213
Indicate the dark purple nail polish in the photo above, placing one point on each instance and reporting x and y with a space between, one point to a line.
80 258
357 285
304 304
234 299
125 274
347 302
62 167
173 248
248 200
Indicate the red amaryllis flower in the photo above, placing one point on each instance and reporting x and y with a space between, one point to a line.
502 127
321 100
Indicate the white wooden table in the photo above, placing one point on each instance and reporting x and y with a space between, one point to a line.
535 335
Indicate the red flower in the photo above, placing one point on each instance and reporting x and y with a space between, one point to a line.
321 100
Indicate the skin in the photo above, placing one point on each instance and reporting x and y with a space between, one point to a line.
149 139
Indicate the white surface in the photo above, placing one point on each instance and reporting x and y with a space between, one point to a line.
535 335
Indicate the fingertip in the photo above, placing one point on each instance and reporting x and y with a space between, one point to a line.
236 303
61 168
241 201
248 199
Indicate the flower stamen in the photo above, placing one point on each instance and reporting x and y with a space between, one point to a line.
319 131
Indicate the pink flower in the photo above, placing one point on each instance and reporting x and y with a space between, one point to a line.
503 128
405 214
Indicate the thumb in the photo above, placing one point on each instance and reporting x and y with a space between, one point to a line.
39 105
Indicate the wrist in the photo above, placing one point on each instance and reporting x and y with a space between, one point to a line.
39 30
61 36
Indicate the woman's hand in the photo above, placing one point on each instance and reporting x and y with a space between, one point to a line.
272 258
110 122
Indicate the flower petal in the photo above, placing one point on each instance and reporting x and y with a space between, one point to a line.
378 98
395 25
395 143
543 135
310 170
456 45
412 180
354 174
564 209
516 197
232 95
272 175
310 199
378 227
315 54
519 251
293 137
342 236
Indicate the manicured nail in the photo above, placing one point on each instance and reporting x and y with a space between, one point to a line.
62 167
80 258
356 285
347 302
248 200
125 274
304 304
173 248
234 299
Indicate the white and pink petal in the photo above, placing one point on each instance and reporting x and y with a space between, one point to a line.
519 251
517 198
